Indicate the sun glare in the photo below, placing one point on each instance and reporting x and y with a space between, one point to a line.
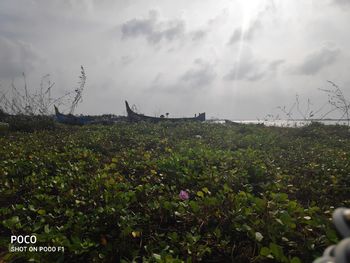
249 10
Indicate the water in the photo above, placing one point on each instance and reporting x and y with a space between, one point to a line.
287 123
293 123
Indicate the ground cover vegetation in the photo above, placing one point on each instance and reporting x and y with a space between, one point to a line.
169 192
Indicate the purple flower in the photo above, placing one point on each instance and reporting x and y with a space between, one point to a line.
183 195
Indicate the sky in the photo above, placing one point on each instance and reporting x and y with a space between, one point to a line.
236 59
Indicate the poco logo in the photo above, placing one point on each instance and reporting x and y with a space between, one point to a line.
23 239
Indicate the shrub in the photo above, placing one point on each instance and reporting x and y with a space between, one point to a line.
111 193
25 123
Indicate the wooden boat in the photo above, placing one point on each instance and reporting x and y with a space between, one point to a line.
133 116
71 119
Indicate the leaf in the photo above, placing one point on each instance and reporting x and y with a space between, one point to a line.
265 251
173 236
205 190
194 206
217 232
227 189
279 221
200 194
276 250
136 234
41 212
258 236
295 260
46 229
10 223
167 205
157 257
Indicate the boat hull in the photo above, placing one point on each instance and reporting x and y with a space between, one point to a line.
71 119
135 117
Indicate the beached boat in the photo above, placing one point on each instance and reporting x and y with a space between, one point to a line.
133 116
71 119
83 120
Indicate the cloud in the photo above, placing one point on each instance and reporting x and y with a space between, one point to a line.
160 47
341 2
236 36
201 75
275 64
16 57
248 68
198 35
126 60
247 35
153 29
255 25
316 61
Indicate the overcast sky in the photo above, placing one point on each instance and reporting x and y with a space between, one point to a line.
237 59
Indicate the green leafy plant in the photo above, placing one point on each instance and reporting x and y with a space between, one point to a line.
159 193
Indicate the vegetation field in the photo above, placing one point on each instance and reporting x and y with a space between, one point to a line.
168 192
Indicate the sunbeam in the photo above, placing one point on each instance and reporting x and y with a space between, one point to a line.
249 10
